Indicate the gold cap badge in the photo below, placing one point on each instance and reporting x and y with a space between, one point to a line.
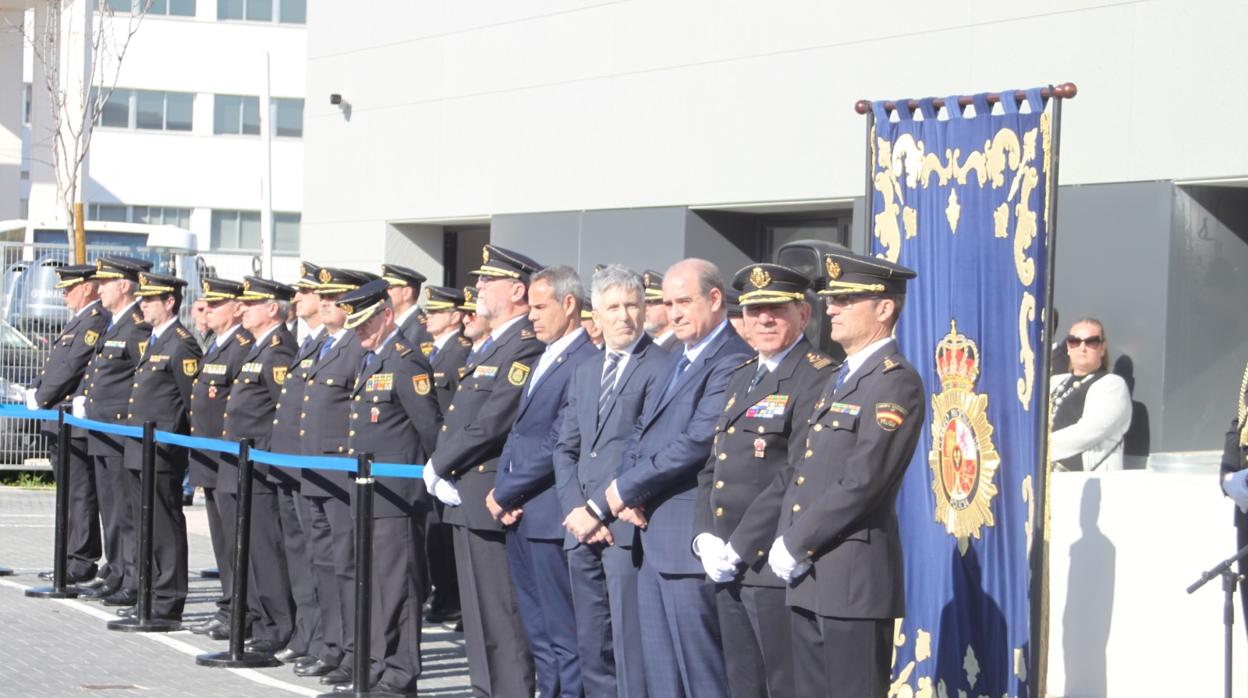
760 278
325 276
834 269
485 255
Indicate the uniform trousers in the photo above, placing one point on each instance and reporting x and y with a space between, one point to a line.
539 575
398 594
440 550
221 552
320 541
84 544
680 630
758 640
342 555
118 526
169 567
499 662
269 607
305 635
841 657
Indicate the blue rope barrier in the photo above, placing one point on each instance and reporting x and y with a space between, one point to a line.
284 460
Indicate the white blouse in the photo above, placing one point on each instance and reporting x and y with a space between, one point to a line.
1098 433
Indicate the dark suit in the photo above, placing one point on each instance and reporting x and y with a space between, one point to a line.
162 394
209 393
107 385
586 460
539 568
323 426
306 638
476 426
249 415
447 362
414 331
394 416
752 445
1235 459
671 444
60 378
838 511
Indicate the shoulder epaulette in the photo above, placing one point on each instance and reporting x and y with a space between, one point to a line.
275 340
182 333
465 342
891 363
426 348
527 334
819 361
136 318
242 341
402 348
95 311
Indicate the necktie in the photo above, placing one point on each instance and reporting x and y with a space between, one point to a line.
433 354
758 376
607 388
329 342
680 369
368 360
841 376
307 342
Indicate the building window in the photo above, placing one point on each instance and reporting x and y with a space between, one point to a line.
29 96
23 209
288 11
287 117
116 110
152 110
116 5
175 8
236 114
240 230
151 215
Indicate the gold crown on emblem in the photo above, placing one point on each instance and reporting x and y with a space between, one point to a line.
467 295
957 359
143 280
759 277
246 284
207 288
834 269
99 264
485 255
348 309
325 276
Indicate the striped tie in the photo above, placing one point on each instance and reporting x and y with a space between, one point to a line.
607 388
758 376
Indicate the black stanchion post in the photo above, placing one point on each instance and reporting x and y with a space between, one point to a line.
236 655
142 622
364 486
60 546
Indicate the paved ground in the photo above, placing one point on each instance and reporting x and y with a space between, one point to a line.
62 648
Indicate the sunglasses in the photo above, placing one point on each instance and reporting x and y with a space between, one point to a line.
1093 342
850 299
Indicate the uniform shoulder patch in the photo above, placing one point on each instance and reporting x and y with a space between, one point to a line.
527 334
279 374
426 348
517 374
95 311
183 333
465 342
891 363
275 340
463 370
818 360
90 337
242 341
402 348
190 366
420 383
890 416
137 318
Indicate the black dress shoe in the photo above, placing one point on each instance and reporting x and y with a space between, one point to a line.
96 594
337 677
443 615
221 633
262 646
91 582
316 668
127 612
122 598
459 627
207 626
289 655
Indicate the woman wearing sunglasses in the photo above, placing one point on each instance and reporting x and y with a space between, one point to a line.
1090 407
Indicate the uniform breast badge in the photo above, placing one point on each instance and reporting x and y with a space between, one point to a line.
760 447
963 459
374 415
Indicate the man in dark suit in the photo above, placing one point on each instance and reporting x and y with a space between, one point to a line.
448 352
405 294
524 498
105 397
305 645
162 394
230 343
249 415
605 399
394 416
323 426
770 398
658 484
658 326
461 473
838 546
60 378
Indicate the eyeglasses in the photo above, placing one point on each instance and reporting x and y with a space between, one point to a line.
850 299
1093 342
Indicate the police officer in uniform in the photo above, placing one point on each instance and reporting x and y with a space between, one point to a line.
60 378
658 326
249 415
394 416
324 423
838 545
462 470
106 394
229 346
770 398
405 294
305 645
161 393
448 352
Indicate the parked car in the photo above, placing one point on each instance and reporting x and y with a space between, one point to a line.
20 362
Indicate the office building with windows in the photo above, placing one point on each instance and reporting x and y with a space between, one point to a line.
178 141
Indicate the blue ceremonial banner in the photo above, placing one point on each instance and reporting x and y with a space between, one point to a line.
963 200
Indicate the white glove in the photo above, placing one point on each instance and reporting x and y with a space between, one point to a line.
446 492
79 407
1236 487
783 564
718 559
31 402
430 476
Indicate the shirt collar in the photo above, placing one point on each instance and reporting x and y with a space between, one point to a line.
262 338
401 319
224 337
494 335
560 345
857 360
774 362
446 337
692 353
157 331
386 342
87 307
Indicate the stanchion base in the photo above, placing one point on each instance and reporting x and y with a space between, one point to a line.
5 571
210 573
52 593
153 625
225 660
362 694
